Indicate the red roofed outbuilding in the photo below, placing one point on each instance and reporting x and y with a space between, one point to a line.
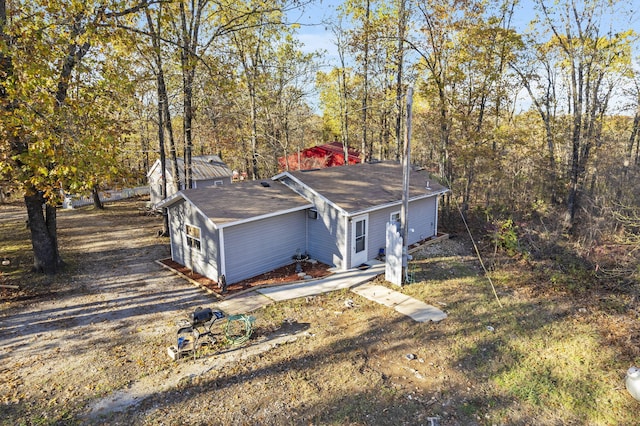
318 157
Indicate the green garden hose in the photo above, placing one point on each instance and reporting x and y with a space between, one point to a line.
232 335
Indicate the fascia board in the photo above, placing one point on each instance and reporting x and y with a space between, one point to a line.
316 193
153 167
169 201
395 203
175 198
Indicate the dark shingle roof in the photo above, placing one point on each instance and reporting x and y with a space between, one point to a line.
356 188
361 187
244 200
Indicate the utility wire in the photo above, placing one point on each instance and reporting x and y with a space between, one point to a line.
475 247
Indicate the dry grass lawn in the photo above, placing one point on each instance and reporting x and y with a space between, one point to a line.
547 356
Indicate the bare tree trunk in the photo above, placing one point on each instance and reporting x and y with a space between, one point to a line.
97 202
546 110
402 24
163 165
190 30
42 223
163 109
366 149
254 132
344 106
633 138
172 143
342 92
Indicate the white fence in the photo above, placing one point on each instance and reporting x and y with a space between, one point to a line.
105 196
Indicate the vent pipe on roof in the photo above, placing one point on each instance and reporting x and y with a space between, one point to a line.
265 184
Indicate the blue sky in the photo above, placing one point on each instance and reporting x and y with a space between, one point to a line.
314 32
315 35
316 18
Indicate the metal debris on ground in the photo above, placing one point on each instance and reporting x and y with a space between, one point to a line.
433 421
198 331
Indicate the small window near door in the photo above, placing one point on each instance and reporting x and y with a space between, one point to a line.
395 218
361 235
193 237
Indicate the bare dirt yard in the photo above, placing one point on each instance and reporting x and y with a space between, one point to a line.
88 346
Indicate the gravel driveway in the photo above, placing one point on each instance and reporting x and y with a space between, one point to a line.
106 327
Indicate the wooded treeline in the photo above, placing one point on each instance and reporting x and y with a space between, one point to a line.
514 116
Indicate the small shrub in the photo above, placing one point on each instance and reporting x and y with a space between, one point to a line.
504 237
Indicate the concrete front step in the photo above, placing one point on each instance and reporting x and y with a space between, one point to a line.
334 282
406 305
357 280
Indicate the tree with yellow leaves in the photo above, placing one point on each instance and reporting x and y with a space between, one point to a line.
60 124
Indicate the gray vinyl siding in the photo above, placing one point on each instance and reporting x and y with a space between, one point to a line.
226 180
422 221
377 229
176 229
206 260
155 193
326 235
260 246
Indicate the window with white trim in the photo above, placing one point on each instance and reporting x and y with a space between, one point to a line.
193 237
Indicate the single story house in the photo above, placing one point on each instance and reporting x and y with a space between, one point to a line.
336 215
207 170
318 157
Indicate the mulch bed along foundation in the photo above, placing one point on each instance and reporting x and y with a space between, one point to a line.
284 275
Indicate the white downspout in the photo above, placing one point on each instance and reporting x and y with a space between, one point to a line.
435 221
223 261
347 247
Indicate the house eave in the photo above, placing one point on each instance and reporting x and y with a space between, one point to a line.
174 199
318 194
153 167
394 203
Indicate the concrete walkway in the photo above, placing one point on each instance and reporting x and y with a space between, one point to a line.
358 280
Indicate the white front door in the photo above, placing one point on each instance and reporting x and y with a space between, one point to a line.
359 240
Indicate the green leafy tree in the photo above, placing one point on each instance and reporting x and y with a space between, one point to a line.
464 48
53 72
287 116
